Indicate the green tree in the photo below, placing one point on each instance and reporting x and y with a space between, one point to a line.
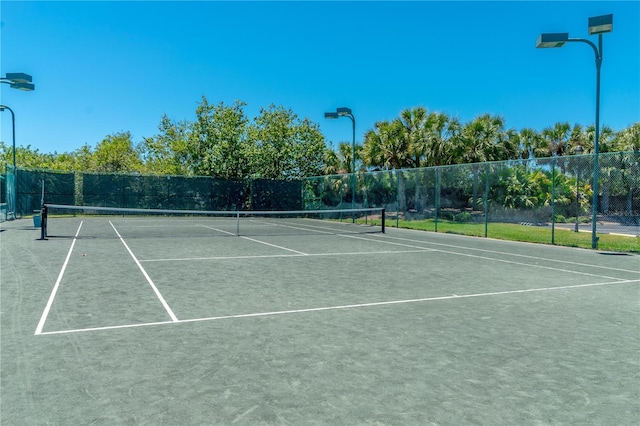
557 138
284 147
340 161
167 152
217 144
484 139
628 139
385 148
441 133
84 159
412 125
116 153
533 144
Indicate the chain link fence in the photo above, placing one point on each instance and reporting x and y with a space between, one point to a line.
555 191
541 192
146 192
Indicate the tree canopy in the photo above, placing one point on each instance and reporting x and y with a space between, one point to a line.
221 141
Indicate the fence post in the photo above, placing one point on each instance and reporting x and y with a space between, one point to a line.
486 200
437 194
553 198
397 198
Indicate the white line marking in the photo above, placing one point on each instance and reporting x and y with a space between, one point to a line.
329 230
353 306
219 230
109 327
258 241
504 253
302 227
267 256
487 258
153 286
52 296
276 246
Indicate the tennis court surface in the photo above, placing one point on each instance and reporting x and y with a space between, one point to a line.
151 321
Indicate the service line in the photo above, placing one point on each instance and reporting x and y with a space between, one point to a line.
351 306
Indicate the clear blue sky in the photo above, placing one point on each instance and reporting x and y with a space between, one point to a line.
106 67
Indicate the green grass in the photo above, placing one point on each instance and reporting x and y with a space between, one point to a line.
531 234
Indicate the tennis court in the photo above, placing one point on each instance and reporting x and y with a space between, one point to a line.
172 321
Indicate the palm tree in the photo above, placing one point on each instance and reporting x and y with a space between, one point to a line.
606 139
628 139
482 140
532 144
577 137
412 123
385 148
442 133
557 138
609 173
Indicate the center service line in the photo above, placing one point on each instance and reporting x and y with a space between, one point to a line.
153 286
258 241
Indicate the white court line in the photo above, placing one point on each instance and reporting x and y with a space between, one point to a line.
352 306
302 227
267 256
52 296
219 230
276 246
475 256
316 228
321 229
258 241
153 286
509 254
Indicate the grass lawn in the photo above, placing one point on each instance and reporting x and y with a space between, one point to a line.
516 232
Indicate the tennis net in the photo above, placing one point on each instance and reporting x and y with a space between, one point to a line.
65 221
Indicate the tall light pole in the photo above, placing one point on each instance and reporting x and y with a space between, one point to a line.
597 25
20 81
346 112
578 150
13 126
11 198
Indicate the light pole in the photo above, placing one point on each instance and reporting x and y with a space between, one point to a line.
346 112
13 126
597 25
578 150
20 81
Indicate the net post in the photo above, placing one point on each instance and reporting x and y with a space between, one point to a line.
237 223
383 219
43 222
